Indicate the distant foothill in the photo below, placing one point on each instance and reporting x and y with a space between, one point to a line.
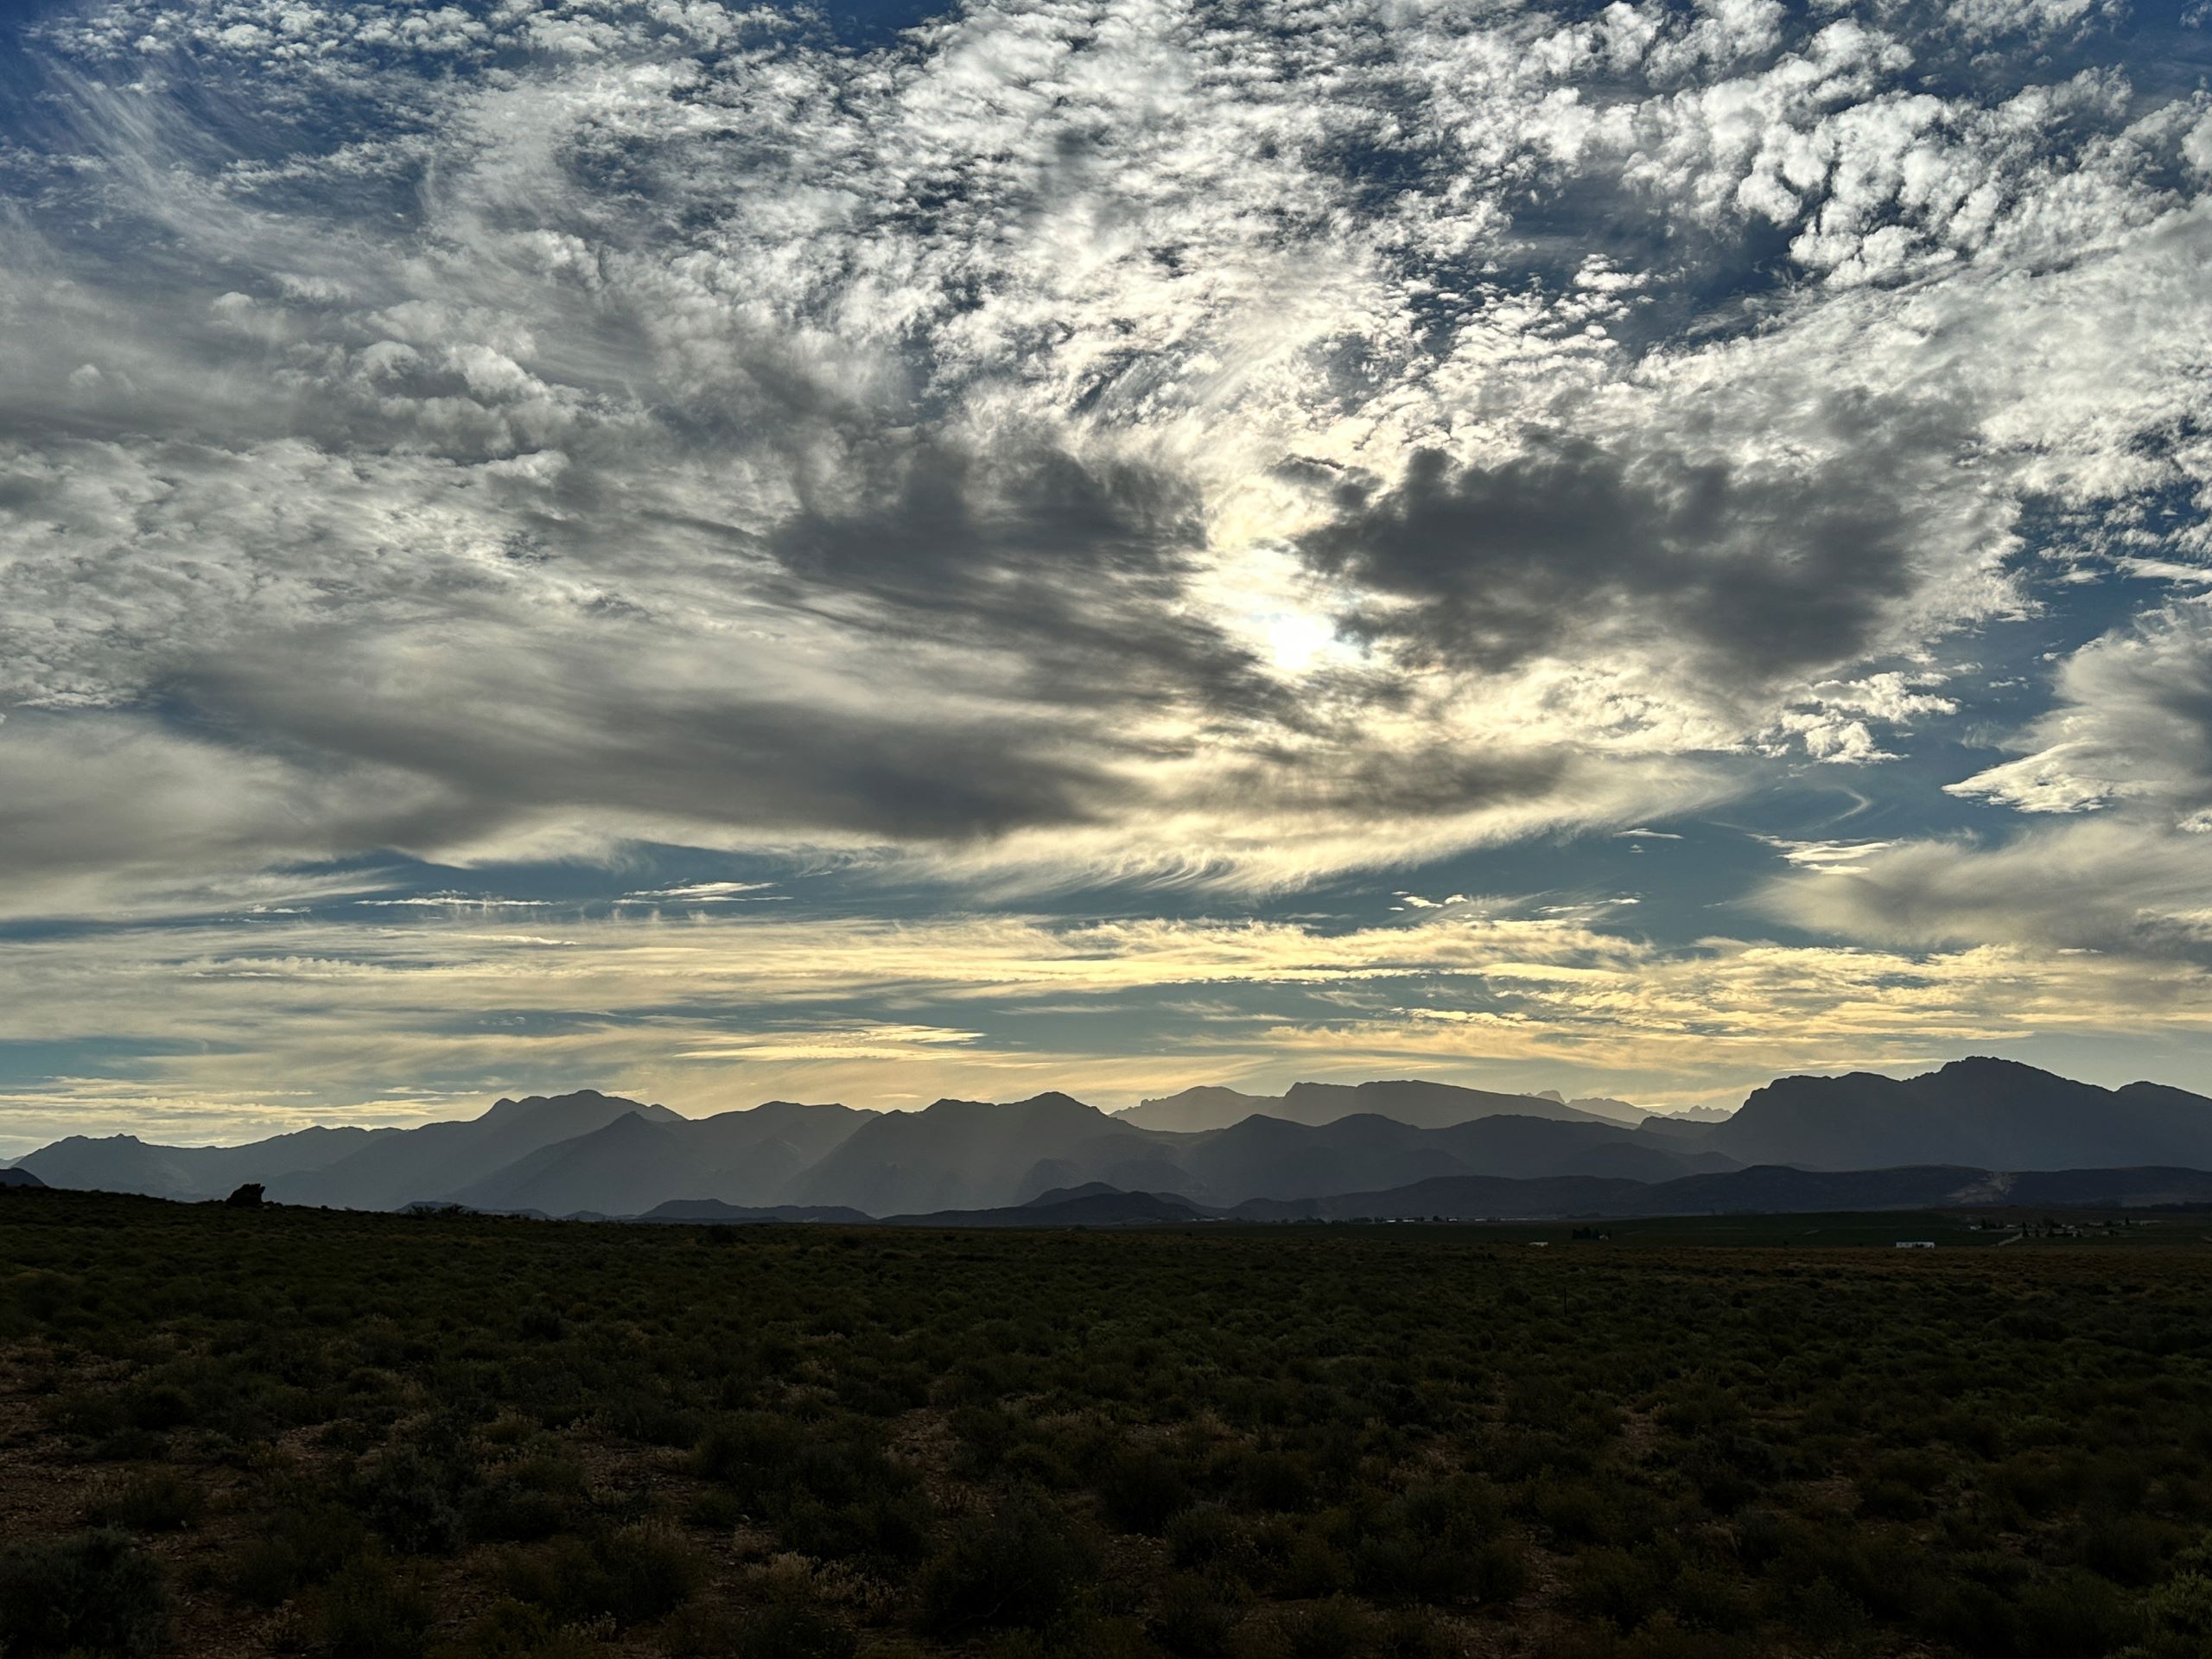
1977 1131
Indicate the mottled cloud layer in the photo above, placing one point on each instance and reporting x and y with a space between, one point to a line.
1070 448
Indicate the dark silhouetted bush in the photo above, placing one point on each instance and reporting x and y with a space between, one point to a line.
1336 1629
1191 1619
1022 1565
413 1497
632 1576
304 1544
1141 1490
368 1611
792 1629
155 1500
91 1592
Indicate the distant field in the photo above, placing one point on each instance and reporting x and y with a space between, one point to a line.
1951 1229
241 1432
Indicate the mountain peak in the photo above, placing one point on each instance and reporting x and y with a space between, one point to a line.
1052 1100
1990 1065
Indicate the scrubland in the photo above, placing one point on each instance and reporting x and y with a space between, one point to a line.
230 1431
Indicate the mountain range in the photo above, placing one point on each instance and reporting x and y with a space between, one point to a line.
1384 1147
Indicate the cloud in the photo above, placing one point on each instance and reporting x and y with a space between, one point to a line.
2123 762
2132 727
711 373
282 1020
1750 576
1059 447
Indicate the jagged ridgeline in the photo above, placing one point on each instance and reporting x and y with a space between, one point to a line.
1976 1131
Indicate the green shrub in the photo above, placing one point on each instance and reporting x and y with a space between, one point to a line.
304 1544
155 1500
1336 1629
751 1453
160 1405
526 1501
1202 1535
637 1574
883 1528
792 1629
649 1571
1614 1584
649 1419
1022 1565
2176 1619
1707 1598
514 1629
2130 1549
787 1626
1412 1633
1140 1489
1433 1543
414 1498
1191 1621
2074 1612
986 1433
91 1593
1273 1479
368 1612
1314 1568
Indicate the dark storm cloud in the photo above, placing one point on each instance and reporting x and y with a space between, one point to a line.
1077 570
1761 571
1430 782
580 726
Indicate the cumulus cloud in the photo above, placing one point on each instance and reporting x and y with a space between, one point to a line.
2122 763
1061 445
2133 727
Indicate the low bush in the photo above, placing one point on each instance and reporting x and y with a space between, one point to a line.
792 1629
305 1542
154 1500
368 1611
1023 1564
1141 1490
90 1592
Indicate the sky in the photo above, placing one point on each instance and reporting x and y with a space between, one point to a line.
870 553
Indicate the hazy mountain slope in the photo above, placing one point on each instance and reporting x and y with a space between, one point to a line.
713 1211
1991 1114
1636 1160
744 1158
968 1155
1614 1111
2129 1188
123 1163
1767 1189
1108 1164
438 1158
1195 1110
1531 1148
1103 1208
115 1163
1271 1156
15 1175
1265 1157
623 1168
1413 1101
1455 1197
1475 1198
